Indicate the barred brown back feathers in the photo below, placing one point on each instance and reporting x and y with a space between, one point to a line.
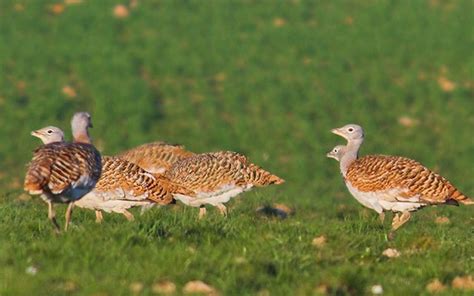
208 171
155 157
63 169
214 178
124 185
119 173
380 173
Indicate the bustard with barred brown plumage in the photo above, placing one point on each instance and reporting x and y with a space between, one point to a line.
62 172
390 183
121 186
214 178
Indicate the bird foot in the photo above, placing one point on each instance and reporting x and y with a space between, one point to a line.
382 217
222 209
129 216
98 217
399 220
202 212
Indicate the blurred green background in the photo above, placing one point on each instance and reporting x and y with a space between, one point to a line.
265 78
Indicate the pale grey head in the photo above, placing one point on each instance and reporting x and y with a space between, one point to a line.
49 134
80 123
346 155
337 152
350 132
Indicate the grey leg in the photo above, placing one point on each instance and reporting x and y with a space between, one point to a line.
70 206
52 216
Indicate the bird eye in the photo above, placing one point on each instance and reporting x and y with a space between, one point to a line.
350 129
335 150
50 131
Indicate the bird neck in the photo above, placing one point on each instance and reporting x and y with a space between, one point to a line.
81 136
352 153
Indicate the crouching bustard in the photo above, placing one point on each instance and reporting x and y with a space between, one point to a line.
216 177
390 183
62 172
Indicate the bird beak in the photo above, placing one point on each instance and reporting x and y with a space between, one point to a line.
35 134
337 131
90 125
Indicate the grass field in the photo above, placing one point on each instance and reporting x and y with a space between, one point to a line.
265 78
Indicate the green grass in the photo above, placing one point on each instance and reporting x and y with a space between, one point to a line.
217 75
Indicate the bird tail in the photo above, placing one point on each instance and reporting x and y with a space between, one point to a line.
260 177
461 198
36 177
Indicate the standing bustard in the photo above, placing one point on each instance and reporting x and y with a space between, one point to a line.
390 183
214 178
156 157
63 172
122 184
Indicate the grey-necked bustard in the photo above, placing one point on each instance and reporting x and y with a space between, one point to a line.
121 186
390 183
62 172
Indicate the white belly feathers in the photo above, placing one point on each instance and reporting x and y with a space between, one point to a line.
389 200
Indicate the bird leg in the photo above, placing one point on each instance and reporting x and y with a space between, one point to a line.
52 216
382 217
68 215
202 211
222 209
98 216
146 208
129 216
399 220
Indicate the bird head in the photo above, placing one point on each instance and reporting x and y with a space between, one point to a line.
337 152
49 134
350 132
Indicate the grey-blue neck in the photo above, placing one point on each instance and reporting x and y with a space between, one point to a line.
80 131
351 153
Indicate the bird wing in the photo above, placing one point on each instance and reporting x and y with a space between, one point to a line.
57 167
209 172
122 179
398 179
203 172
